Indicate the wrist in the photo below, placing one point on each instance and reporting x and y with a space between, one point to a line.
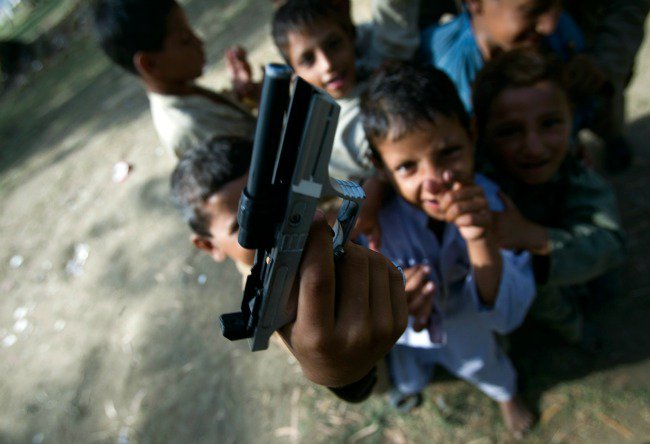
357 391
536 239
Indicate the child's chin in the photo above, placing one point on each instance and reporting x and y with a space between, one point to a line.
433 211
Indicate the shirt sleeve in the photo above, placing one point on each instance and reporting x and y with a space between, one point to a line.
395 30
515 295
591 240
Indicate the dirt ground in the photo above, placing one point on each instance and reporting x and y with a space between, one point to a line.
108 317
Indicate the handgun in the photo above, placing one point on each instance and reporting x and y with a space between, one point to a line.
288 177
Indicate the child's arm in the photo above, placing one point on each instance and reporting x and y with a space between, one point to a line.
465 205
420 291
514 232
241 77
348 316
589 241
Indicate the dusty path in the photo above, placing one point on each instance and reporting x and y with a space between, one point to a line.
122 345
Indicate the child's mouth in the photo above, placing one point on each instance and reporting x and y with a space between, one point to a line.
533 165
433 204
336 83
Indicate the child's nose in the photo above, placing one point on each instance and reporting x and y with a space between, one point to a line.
325 62
433 181
434 185
534 144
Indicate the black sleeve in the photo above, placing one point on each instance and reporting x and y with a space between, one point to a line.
357 391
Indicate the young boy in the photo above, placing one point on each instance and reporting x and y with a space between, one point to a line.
317 39
487 27
561 211
346 320
153 40
460 286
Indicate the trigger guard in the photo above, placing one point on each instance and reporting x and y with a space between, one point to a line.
345 221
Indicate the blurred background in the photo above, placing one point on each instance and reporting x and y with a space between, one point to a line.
108 316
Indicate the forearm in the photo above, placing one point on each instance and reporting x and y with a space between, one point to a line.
582 253
535 239
486 261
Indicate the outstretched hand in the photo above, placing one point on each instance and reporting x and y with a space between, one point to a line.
241 75
420 291
514 232
466 206
349 314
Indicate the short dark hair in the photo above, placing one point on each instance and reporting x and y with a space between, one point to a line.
124 27
301 15
512 69
203 171
401 96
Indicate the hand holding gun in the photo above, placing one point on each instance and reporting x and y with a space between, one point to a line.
339 311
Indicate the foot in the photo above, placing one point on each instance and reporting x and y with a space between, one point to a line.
517 417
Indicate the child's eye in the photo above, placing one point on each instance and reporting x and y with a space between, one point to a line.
333 44
450 151
405 167
306 59
234 227
552 122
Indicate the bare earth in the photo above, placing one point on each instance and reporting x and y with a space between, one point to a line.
108 317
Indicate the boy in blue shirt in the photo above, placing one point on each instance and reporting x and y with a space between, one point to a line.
461 287
487 27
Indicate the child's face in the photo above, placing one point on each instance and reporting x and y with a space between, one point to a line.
222 209
182 57
324 57
510 24
417 163
527 132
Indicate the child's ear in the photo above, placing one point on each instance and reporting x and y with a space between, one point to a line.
143 63
209 246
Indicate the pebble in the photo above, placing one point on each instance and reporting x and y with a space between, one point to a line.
21 325
121 171
16 261
74 267
9 340
20 312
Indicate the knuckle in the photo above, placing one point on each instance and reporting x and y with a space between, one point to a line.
317 282
317 343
